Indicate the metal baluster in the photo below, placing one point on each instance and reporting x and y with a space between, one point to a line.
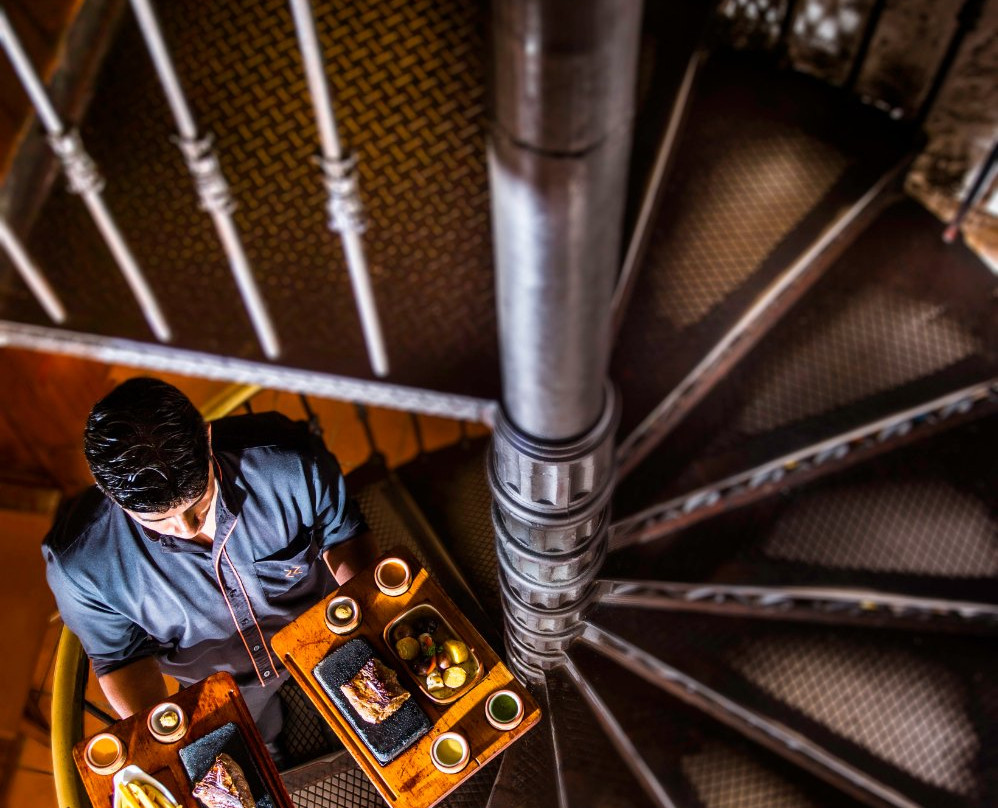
346 213
209 182
32 276
84 178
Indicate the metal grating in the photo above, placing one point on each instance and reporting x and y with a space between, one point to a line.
592 770
474 792
305 735
388 527
408 78
921 526
724 777
840 354
349 788
749 197
901 707
452 491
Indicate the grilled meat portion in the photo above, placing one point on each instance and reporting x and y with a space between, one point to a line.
224 786
375 692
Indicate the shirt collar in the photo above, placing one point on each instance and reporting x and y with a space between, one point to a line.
224 517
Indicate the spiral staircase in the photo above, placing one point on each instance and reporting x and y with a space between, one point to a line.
793 601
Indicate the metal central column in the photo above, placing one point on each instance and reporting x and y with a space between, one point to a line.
563 79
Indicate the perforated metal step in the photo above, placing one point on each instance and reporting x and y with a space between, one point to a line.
883 331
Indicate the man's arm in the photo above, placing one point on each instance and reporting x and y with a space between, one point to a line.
348 558
134 687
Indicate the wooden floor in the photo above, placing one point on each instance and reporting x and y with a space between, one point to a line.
44 401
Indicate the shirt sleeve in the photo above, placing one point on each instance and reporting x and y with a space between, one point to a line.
337 517
110 639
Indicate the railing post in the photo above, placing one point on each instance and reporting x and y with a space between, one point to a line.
346 211
209 182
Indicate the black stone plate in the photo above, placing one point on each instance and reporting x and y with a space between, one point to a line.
392 736
199 756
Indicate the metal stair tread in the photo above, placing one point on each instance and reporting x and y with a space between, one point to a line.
829 685
883 308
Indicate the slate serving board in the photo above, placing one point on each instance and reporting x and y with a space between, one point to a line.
198 756
388 739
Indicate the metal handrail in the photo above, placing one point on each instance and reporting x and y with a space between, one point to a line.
72 666
68 688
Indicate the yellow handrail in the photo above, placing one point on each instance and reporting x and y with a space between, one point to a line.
72 666
68 689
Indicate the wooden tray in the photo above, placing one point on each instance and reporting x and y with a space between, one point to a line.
209 704
411 779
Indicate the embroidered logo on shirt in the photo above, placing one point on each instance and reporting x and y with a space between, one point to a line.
293 572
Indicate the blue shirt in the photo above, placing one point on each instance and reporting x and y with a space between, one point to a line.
129 593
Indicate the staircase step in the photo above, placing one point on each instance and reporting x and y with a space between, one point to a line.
920 520
592 769
767 160
903 709
696 760
452 492
886 329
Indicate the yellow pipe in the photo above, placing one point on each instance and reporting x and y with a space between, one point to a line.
68 689
72 666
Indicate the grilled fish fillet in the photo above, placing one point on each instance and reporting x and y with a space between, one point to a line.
224 786
375 692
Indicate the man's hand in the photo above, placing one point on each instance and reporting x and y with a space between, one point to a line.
135 687
348 558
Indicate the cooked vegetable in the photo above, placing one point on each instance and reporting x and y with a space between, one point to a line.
404 630
454 677
407 648
457 651
443 661
434 681
427 645
425 665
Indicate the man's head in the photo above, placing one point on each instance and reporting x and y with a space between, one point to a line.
149 450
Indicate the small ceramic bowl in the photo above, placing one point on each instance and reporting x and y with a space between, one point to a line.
167 722
504 709
105 753
393 576
450 752
342 614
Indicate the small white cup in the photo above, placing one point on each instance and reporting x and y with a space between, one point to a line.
393 576
161 732
450 752
500 722
105 753
342 625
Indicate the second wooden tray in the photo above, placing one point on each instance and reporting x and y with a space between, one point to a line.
410 779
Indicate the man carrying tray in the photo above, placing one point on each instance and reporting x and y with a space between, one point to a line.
199 542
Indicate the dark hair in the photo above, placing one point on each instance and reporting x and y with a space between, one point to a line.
147 446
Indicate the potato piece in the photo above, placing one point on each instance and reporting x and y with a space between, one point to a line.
457 651
141 797
127 798
454 677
